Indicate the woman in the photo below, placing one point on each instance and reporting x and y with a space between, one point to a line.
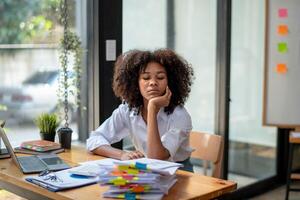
154 87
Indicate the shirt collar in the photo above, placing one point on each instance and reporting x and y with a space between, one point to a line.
161 114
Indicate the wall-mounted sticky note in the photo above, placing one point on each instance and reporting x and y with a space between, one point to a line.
282 12
282 47
282 29
281 68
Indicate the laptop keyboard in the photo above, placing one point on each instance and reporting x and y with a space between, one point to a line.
31 163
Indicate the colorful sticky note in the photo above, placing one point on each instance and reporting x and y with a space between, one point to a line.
128 177
282 29
123 167
132 171
118 181
281 68
282 47
138 189
282 12
139 165
117 173
131 196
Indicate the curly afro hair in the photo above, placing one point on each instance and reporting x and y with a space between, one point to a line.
129 66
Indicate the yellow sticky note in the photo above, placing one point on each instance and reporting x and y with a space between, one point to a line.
132 171
281 68
123 167
118 181
282 29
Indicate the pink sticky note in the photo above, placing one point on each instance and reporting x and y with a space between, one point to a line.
282 12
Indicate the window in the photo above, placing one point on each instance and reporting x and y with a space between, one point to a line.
30 62
252 148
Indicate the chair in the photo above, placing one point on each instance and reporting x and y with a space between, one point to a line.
208 148
294 140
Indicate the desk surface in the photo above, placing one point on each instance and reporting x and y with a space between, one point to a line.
188 186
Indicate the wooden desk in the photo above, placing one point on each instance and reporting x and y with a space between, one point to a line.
188 186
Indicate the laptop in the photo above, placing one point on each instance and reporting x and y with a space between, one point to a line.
36 163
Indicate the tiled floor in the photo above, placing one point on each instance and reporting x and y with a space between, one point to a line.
4 195
278 194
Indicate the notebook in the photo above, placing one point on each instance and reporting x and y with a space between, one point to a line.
40 145
27 151
36 163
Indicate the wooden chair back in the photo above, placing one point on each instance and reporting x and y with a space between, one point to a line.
208 148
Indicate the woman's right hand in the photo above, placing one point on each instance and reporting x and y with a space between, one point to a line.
129 155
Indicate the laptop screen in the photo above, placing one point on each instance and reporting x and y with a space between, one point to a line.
9 147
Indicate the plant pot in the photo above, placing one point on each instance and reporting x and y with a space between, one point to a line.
48 136
65 137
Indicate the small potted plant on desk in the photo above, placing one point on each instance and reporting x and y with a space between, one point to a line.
47 123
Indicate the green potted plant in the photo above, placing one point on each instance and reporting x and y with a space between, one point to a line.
69 85
47 123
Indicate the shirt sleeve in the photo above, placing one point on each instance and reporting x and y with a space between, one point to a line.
178 132
112 130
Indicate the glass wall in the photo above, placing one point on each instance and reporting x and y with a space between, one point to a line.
195 39
144 24
29 62
189 27
252 153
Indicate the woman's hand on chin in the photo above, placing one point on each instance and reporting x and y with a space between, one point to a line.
161 101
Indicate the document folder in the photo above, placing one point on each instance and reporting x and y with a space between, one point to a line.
62 180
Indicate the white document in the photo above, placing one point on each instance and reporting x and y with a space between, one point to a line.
101 162
159 166
154 163
88 170
296 134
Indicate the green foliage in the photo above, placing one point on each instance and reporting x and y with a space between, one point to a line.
47 123
70 46
3 107
27 21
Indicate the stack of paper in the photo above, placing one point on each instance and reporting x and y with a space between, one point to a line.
134 179
159 166
139 179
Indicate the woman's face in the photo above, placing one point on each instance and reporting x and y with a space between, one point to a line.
153 81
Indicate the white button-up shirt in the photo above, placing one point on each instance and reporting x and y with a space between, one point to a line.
174 131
